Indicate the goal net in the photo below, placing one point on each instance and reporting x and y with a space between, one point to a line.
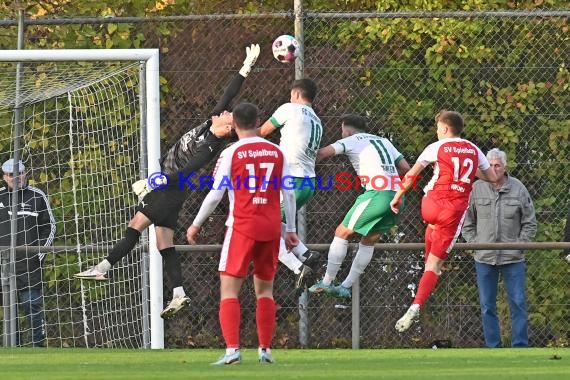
80 126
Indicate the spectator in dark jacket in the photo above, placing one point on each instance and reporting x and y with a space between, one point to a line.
35 227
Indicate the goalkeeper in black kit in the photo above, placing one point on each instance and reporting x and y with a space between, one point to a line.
161 207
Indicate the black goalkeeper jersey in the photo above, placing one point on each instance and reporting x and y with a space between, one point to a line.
195 149
199 145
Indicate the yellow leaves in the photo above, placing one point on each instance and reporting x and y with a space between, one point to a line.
448 76
97 41
447 41
40 78
160 5
366 79
462 51
39 12
125 35
559 136
107 12
111 28
521 106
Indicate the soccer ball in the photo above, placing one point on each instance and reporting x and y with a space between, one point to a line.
285 48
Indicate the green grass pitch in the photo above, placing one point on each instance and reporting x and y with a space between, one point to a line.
456 364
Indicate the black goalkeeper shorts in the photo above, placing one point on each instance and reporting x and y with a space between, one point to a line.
163 206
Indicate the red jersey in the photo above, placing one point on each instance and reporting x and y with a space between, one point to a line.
455 162
252 170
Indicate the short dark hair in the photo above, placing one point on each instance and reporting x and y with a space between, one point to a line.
246 115
452 119
354 121
307 88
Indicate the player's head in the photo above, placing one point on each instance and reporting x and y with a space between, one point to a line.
222 124
303 91
8 169
245 117
352 124
498 161
449 124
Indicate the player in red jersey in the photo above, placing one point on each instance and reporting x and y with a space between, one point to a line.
253 171
456 162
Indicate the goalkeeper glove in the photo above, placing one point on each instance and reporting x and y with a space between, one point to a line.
251 54
141 188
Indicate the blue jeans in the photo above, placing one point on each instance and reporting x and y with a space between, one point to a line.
31 300
514 279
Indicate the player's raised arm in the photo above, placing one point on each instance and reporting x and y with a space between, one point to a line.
280 117
252 52
266 129
484 170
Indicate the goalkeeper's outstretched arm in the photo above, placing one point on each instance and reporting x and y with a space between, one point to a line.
252 52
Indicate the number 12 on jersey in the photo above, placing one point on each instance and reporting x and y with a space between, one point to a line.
457 166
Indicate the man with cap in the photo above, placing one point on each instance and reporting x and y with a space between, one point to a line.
35 227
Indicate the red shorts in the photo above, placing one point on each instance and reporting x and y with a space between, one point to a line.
447 219
238 251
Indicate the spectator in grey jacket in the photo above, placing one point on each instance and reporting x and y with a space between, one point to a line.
35 227
501 212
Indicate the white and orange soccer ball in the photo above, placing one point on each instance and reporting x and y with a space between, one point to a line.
285 48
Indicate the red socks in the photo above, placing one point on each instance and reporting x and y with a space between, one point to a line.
265 317
230 321
426 287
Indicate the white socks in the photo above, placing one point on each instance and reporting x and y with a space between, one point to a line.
288 259
360 262
178 292
297 251
103 266
337 253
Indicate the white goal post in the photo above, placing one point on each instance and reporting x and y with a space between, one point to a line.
86 124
